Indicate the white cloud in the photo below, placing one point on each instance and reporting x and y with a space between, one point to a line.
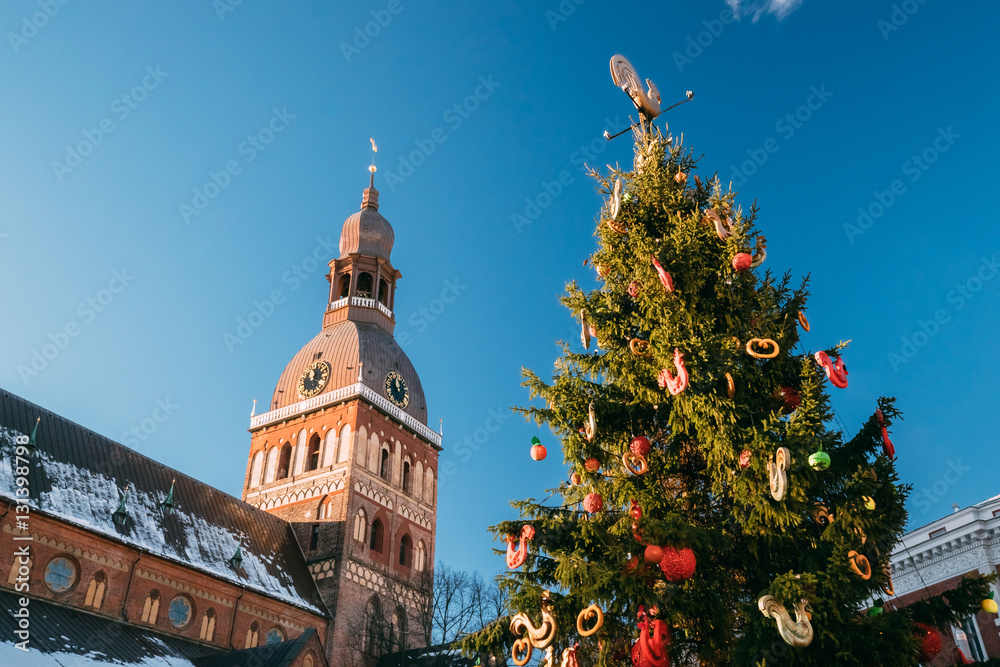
757 8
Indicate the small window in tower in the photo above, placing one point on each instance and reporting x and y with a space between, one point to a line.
284 461
383 292
345 285
383 470
406 476
314 537
312 460
365 285
405 546
376 541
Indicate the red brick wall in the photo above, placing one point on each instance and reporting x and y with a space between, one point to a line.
988 630
127 571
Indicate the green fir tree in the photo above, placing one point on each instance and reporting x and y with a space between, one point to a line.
707 492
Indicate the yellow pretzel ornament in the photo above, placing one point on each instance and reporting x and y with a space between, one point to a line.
860 565
764 343
803 322
593 611
730 386
634 463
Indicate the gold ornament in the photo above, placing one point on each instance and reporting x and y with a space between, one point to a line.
590 428
803 322
584 330
730 386
540 637
860 565
764 343
634 463
639 347
777 472
593 611
799 633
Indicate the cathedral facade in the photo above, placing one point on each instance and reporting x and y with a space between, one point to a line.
107 556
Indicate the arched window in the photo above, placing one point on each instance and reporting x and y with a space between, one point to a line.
312 454
330 448
418 481
95 591
274 636
364 285
256 468
151 607
309 660
421 562
406 476
344 444
376 541
253 636
360 526
372 640
399 629
208 626
383 467
429 487
284 461
405 549
21 567
373 453
360 446
272 462
383 292
345 285
325 508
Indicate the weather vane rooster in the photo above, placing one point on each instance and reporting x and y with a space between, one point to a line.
646 101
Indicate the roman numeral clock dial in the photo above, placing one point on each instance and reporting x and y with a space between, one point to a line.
314 379
395 389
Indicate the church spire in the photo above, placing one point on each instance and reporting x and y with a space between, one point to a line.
370 198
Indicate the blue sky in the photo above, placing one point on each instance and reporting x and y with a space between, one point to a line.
817 109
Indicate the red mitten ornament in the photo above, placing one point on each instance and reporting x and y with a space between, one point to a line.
678 565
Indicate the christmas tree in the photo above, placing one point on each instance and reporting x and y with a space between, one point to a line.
713 515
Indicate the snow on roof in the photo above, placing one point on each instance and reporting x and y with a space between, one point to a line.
77 475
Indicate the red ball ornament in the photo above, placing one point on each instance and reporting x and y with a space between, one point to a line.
789 398
742 261
640 445
593 465
575 479
745 458
633 288
537 449
653 554
930 641
678 564
593 503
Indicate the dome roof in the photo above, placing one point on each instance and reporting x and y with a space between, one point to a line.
343 345
367 232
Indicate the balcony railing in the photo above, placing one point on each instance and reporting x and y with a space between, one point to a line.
343 394
363 302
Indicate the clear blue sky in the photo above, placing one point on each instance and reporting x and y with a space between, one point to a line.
198 80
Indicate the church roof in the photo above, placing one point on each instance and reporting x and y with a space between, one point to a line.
343 345
367 232
65 637
77 475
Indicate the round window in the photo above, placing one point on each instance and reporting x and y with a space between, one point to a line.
275 635
180 612
60 574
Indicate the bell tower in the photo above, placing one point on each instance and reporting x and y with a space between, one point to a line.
344 455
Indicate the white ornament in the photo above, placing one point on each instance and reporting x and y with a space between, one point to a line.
624 76
799 633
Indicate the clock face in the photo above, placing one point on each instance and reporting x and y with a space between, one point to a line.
395 389
313 379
